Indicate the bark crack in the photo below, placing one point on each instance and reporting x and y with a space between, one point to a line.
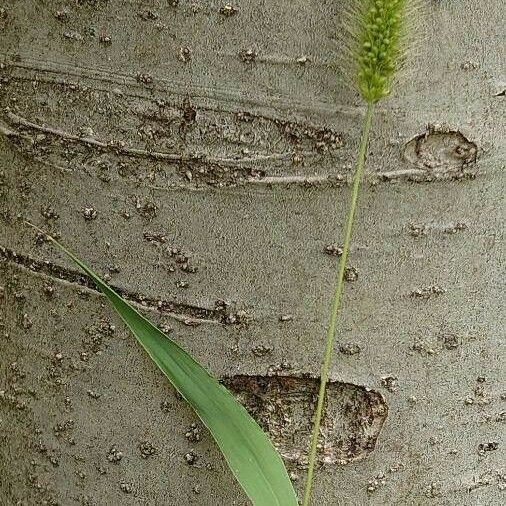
186 313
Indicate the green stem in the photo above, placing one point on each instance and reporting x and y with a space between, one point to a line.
336 302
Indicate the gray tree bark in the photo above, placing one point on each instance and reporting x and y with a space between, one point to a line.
199 155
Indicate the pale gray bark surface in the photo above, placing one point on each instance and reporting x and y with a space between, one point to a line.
135 128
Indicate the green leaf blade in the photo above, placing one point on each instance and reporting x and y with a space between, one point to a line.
249 453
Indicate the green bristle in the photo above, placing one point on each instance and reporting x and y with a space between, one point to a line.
379 39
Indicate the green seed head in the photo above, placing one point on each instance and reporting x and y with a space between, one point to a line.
378 30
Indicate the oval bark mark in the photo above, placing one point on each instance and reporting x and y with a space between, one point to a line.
440 149
284 407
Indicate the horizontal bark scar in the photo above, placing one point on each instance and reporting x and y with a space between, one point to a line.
186 313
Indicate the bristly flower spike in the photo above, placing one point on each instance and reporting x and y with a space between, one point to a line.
376 34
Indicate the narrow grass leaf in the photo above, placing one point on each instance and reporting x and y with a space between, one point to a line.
249 453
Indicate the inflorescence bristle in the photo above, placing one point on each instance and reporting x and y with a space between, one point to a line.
379 36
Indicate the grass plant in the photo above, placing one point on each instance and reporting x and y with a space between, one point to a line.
374 47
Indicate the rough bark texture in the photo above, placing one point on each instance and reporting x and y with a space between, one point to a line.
200 156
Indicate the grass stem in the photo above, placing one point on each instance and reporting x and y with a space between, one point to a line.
336 302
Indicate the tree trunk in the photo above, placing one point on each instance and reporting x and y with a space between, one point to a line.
199 155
